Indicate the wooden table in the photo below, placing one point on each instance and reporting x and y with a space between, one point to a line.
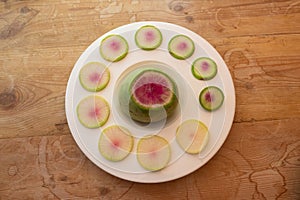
41 40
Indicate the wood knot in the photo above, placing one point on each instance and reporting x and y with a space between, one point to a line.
25 10
189 19
248 86
8 99
61 126
63 178
12 171
176 6
104 191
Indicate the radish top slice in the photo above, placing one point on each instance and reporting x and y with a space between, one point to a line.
152 89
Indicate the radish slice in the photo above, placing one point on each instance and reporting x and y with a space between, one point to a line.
93 111
211 98
204 68
181 47
153 152
113 48
148 37
192 136
115 143
94 76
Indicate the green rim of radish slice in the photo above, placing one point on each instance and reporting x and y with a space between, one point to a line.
148 37
192 136
115 143
94 76
113 48
93 111
181 47
153 152
204 68
211 98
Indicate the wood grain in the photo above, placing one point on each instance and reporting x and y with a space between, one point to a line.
40 42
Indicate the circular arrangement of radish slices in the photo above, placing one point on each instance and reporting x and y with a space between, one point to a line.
153 152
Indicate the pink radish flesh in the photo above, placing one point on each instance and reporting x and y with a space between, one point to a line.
94 112
151 93
115 144
150 36
95 77
205 66
209 97
182 46
115 45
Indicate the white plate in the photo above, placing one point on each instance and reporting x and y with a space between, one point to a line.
219 122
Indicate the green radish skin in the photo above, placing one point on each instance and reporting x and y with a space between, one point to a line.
94 76
153 152
192 136
114 48
115 143
204 68
148 37
141 113
93 111
181 47
211 98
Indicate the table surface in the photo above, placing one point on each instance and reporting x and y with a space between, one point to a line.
40 42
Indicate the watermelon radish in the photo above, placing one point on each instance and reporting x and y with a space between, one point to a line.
204 68
94 76
148 37
113 48
181 47
153 152
192 136
211 98
115 143
93 111
153 96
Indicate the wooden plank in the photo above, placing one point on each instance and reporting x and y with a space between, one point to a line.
48 24
259 159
